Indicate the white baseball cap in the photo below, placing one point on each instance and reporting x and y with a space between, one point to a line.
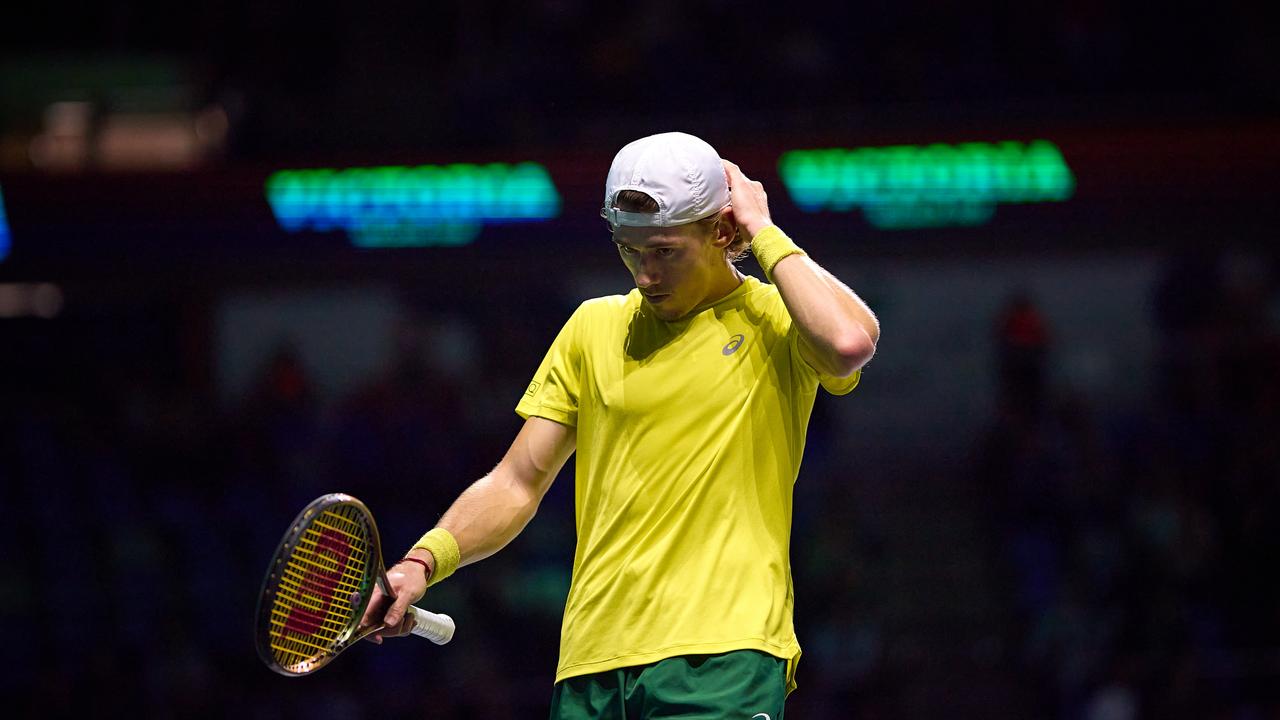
682 173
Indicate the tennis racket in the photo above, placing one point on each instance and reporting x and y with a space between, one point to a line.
318 585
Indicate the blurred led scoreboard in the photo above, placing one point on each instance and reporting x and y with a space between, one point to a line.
896 187
912 186
412 206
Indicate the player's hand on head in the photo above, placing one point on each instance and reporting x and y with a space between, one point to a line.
409 583
750 202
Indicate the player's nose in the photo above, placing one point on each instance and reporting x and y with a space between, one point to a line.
645 278
647 274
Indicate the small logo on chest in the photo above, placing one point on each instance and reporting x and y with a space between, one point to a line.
732 346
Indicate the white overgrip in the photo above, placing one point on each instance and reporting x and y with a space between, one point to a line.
436 627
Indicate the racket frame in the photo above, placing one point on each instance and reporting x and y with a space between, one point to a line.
352 633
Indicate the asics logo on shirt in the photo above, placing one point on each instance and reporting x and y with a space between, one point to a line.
732 346
760 715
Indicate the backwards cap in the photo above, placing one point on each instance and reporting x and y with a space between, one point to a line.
682 173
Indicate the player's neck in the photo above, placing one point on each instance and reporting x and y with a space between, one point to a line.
723 284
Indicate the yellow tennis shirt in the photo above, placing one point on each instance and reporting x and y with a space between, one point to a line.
689 439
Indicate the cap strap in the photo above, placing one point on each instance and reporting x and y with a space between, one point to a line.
617 217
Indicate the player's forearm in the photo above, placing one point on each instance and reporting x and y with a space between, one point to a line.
489 514
836 325
838 332
497 506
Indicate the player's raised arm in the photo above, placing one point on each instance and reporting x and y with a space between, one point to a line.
486 517
838 332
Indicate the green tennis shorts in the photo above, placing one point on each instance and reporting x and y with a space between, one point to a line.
745 684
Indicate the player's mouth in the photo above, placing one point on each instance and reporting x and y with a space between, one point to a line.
655 298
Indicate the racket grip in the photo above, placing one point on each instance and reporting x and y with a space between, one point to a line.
436 627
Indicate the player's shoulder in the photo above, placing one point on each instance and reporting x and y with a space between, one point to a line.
759 290
606 311
610 304
765 298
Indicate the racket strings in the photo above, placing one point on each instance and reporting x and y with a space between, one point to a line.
315 601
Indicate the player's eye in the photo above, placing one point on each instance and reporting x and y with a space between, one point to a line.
666 252
626 250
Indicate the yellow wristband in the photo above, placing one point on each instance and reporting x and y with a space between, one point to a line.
771 245
444 548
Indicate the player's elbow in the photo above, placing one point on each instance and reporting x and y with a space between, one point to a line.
851 351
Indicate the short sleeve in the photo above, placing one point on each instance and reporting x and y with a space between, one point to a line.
553 391
830 383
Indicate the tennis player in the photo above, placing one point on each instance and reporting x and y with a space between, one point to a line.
687 401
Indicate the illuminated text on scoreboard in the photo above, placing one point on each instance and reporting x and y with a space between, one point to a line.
412 206
912 186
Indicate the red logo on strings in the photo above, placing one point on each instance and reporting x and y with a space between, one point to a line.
319 583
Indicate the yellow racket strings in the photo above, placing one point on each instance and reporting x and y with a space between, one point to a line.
313 604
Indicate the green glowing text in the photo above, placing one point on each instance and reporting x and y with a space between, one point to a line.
914 186
412 206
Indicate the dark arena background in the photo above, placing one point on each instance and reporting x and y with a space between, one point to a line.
252 252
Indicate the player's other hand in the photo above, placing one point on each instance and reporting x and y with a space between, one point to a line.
409 583
750 203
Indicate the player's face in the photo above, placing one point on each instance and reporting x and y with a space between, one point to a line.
675 268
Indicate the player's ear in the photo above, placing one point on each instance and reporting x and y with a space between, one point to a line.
725 230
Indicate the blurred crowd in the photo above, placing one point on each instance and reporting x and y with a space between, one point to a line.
1126 563
1136 548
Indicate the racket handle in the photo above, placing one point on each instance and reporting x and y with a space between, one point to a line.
436 627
